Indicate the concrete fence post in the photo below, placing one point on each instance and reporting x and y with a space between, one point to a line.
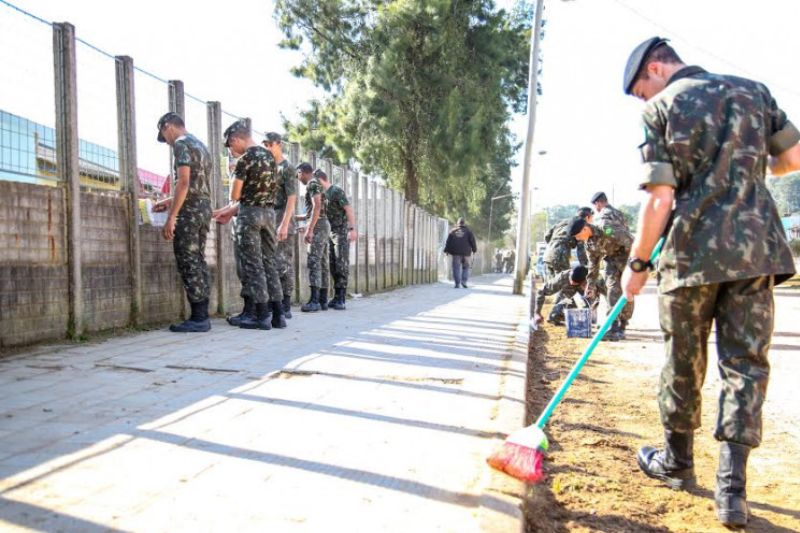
128 167
177 103
67 163
367 231
223 242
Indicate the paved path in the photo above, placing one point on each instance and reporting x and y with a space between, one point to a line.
378 423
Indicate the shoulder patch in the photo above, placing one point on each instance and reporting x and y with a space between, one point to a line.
608 230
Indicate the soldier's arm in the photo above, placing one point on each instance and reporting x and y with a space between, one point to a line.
316 201
783 139
786 161
352 234
283 228
181 190
580 251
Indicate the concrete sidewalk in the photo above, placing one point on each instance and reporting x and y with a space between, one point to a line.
380 425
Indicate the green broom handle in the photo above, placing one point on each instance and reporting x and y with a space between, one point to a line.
545 416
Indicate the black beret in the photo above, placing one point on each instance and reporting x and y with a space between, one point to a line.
273 137
579 274
168 118
636 61
305 167
599 196
576 226
237 128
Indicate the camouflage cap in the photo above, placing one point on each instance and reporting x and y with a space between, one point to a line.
636 61
576 225
168 118
305 168
237 128
272 137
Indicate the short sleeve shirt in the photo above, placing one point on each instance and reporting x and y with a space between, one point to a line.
709 137
336 200
256 169
188 151
313 188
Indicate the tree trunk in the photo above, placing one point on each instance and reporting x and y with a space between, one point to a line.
411 185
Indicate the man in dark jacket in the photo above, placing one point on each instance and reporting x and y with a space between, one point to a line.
460 245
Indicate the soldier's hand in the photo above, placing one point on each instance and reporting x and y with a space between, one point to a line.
162 205
352 235
591 291
283 232
539 319
222 218
632 282
169 229
308 237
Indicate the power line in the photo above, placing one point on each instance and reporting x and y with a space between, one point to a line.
702 49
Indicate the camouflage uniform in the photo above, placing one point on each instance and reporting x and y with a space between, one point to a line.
612 216
610 244
708 136
318 267
339 249
194 218
284 261
557 254
565 292
255 226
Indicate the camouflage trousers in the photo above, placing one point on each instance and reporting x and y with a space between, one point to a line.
612 276
189 245
284 262
554 268
743 311
318 262
257 247
339 252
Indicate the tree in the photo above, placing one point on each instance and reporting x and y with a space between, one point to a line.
786 192
420 92
631 213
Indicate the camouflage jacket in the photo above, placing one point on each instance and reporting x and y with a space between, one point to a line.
559 244
611 244
313 188
287 186
610 215
335 202
190 152
255 168
557 284
709 137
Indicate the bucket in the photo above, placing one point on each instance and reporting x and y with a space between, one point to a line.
579 323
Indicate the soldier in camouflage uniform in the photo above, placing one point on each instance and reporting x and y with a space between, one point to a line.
708 139
607 214
559 245
253 192
565 286
610 244
317 234
343 231
284 213
189 217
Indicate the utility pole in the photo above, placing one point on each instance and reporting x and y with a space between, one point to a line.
525 200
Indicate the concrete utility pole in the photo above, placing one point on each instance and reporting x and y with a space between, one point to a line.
525 200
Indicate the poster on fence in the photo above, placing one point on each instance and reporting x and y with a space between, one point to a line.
147 216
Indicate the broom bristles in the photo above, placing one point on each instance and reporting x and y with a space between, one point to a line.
519 461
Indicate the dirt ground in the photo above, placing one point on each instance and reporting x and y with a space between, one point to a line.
592 480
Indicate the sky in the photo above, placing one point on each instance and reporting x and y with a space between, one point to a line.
229 52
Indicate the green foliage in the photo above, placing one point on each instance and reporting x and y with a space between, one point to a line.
557 213
631 213
420 92
795 246
786 192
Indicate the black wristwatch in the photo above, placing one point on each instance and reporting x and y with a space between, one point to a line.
637 265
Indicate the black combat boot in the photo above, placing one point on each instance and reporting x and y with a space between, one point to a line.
198 321
615 333
248 309
341 293
312 306
278 320
730 498
261 320
287 306
673 465
323 298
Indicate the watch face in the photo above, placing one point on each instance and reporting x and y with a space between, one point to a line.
637 265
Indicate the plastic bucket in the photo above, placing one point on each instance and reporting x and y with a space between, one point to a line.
579 323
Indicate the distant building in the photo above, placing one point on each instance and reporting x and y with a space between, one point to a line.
28 154
791 226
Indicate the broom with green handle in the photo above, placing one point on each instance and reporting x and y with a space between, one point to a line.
522 452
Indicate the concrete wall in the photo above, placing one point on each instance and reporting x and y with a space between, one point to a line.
34 288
